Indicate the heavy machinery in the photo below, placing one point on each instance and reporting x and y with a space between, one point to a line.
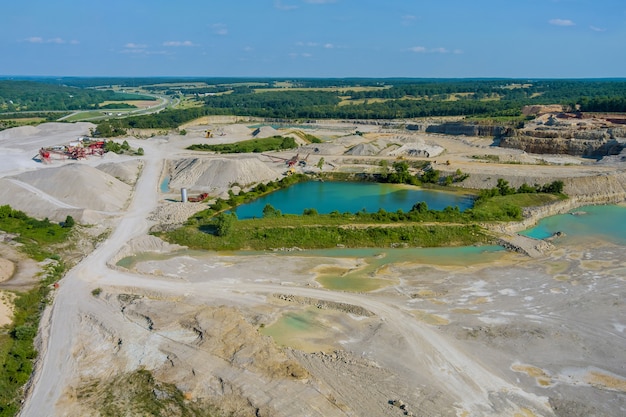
198 198
80 150
302 162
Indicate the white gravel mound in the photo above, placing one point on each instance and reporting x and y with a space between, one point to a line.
40 206
80 186
350 140
364 149
235 130
218 174
126 172
412 146
265 132
19 132
31 138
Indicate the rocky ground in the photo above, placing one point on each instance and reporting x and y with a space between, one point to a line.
515 336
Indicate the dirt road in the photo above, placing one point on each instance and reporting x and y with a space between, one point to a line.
59 328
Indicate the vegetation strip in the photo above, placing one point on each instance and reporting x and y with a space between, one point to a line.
217 229
17 351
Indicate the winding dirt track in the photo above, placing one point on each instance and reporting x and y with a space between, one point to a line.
55 364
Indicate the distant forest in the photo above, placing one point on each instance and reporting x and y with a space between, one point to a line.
36 96
307 99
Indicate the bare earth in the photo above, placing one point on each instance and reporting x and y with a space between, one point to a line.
513 336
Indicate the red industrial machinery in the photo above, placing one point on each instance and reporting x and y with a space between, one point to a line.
79 151
199 198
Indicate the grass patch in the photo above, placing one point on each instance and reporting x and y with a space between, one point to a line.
139 394
254 237
18 351
85 115
274 143
35 235
486 157
508 207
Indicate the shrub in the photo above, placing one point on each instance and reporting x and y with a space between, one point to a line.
69 222
224 223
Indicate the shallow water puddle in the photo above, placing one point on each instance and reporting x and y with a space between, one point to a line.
305 330
593 377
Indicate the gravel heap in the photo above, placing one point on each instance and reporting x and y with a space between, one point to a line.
216 175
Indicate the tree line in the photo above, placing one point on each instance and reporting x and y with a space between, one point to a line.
19 96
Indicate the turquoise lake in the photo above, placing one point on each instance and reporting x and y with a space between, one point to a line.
589 222
351 197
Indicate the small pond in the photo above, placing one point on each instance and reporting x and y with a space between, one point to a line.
327 197
165 184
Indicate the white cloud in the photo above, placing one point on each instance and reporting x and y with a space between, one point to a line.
424 50
219 29
296 55
408 19
132 45
311 44
39 39
178 43
278 4
597 29
134 48
561 22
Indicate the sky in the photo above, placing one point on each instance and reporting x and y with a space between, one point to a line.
314 38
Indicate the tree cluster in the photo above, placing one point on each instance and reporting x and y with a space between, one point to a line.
274 143
503 188
23 95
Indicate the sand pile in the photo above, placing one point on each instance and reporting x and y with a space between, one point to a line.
143 244
126 172
6 307
235 130
364 149
265 132
6 269
46 134
36 203
350 140
19 132
327 148
218 174
80 186
412 146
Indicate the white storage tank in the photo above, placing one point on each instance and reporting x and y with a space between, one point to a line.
183 195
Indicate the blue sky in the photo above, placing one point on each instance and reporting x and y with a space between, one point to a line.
314 38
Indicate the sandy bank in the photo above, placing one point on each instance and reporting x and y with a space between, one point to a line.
7 268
